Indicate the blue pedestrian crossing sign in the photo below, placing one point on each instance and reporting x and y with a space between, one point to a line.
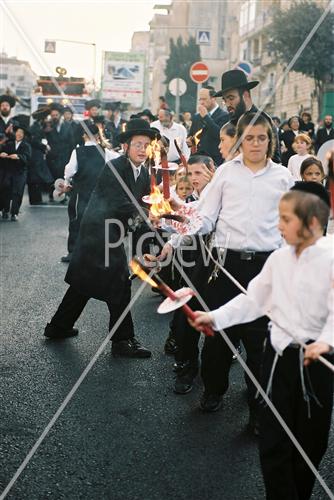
203 37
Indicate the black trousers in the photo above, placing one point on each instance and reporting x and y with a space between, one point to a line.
13 192
74 303
76 207
216 355
35 193
286 474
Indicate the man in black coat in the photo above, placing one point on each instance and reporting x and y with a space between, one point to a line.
210 118
235 91
7 102
98 268
15 156
326 133
60 138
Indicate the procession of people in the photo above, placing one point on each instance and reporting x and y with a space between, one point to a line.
234 203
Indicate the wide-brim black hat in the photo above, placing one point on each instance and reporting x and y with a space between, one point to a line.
138 126
93 103
56 106
313 188
68 109
235 79
22 122
93 129
41 112
147 112
8 98
113 106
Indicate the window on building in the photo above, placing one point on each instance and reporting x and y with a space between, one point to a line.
3 76
295 91
20 78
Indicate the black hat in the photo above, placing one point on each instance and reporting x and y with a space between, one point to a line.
137 126
147 112
92 103
113 106
8 98
93 129
56 106
68 109
235 79
22 122
313 188
41 112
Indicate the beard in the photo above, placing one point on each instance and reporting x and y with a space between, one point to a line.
328 125
239 110
5 112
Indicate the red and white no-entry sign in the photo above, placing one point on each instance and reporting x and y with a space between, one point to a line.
199 72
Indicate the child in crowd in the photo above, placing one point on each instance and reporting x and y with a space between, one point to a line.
228 138
303 146
183 188
302 310
311 170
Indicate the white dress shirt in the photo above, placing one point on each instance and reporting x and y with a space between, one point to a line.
17 145
176 131
288 289
242 206
294 164
136 170
72 166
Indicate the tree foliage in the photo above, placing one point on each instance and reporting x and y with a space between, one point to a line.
290 29
181 57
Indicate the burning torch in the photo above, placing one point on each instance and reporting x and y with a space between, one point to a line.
174 300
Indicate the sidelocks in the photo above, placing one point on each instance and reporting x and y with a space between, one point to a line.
174 299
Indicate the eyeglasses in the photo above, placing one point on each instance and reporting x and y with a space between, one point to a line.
260 139
140 145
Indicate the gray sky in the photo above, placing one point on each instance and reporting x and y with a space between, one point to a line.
108 23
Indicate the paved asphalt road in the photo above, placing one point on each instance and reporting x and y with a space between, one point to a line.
124 435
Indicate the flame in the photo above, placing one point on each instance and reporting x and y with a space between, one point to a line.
139 271
153 151
196 136
159 205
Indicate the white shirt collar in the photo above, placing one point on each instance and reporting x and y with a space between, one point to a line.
213 110
17 144
136 170
6 118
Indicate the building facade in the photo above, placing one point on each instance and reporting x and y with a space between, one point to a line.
17 78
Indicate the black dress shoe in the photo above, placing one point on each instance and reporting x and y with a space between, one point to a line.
66 258
210 402
185 378
170 346
54 332
130 348
5 215
14 217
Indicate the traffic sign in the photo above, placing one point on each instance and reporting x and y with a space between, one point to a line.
245 66
203 37
50 46
199 72
177 86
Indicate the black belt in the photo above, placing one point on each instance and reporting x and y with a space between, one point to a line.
249 254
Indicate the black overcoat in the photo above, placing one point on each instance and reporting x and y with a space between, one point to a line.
210 136
94 270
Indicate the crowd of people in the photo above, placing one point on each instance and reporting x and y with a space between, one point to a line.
253 183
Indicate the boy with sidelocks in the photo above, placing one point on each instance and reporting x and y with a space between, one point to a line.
295 287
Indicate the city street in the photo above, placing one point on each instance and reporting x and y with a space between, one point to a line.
124 435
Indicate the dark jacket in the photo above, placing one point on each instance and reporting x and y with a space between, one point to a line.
322 137
62 145
14 168
38 172
209 138
88 271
